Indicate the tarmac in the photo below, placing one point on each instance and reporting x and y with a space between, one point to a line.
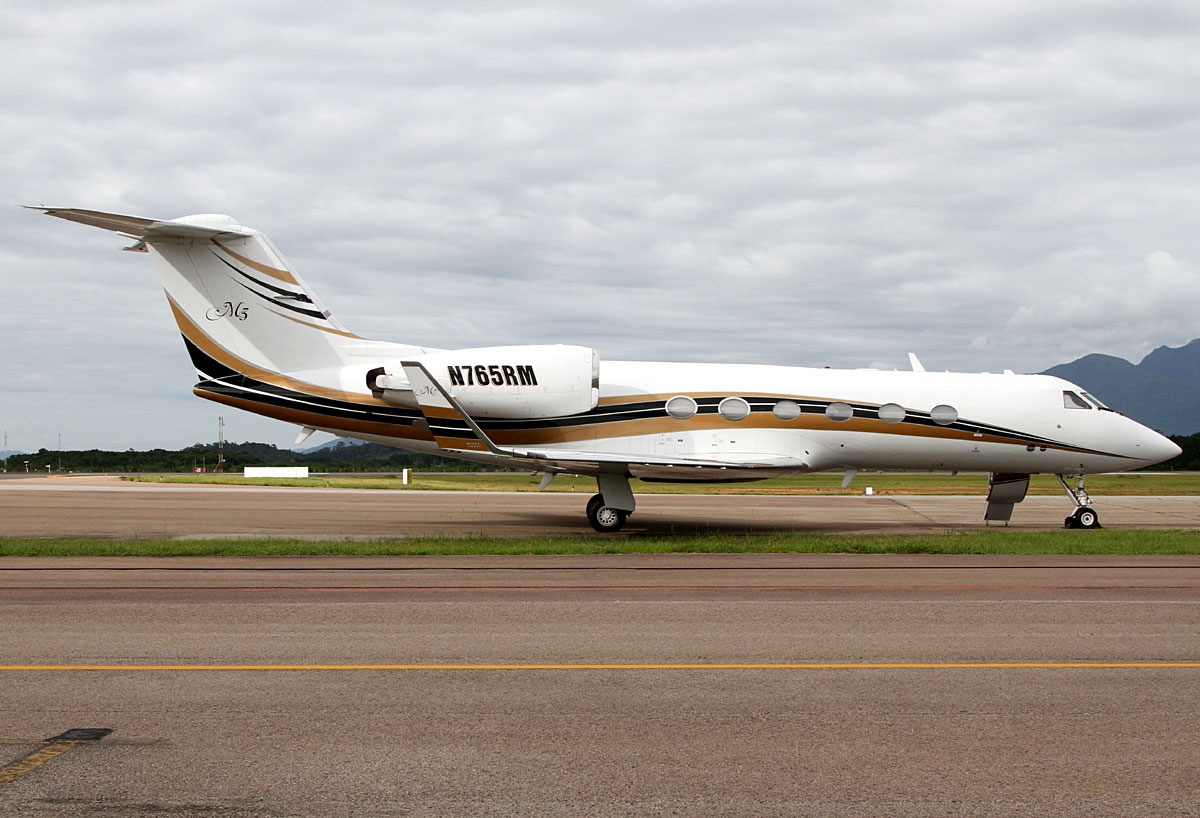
109 507
605 685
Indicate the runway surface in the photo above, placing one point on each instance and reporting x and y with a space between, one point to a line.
605 685
694 685
109 507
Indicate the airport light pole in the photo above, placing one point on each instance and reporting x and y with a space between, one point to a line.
220 467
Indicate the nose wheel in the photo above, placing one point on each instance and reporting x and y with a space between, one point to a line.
1085 516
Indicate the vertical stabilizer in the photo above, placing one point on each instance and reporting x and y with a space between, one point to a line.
236 295
239 304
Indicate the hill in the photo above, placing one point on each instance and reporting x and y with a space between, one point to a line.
1162 392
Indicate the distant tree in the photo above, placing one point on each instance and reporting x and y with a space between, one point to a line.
1188 460
367 457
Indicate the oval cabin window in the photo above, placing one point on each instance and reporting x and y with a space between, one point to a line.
734 409
787 410
681 407
839 411
944 415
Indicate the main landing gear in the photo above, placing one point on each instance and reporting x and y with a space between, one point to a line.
604 519
608 510
1085 516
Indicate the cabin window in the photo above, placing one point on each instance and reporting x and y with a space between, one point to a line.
839 411
681 407
944 415
787 410
891 413
734 409
1073 401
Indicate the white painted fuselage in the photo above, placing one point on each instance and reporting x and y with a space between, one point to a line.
260 340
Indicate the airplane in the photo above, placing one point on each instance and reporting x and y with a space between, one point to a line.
261 341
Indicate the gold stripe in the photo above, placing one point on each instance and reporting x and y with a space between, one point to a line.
461 444
274 272
218 353
625 666
440 413
604 430
288 278
599 430
317 419
330 330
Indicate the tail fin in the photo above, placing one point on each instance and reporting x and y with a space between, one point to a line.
238 302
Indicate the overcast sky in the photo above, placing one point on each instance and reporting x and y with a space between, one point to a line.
999 185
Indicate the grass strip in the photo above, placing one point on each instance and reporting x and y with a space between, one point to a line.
1100 542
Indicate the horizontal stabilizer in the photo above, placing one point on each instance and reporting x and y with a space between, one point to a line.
208 226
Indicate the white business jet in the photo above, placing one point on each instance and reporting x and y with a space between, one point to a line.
260 340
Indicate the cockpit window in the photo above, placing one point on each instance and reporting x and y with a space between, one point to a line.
1099 403
1073 401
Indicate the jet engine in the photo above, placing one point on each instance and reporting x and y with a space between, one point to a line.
514 382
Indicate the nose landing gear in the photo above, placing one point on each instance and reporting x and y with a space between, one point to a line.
1085 516
1082 518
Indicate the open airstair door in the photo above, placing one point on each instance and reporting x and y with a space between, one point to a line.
1004 492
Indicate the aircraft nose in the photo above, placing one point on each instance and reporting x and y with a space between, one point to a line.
1155 448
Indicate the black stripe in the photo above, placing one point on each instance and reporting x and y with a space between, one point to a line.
282 292
220 379
278 303
263 284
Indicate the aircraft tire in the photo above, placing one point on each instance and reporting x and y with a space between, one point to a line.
604 519
1086 518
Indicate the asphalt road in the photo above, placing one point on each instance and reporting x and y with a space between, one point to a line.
584 686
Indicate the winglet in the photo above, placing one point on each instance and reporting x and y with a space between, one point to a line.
916 364
446 418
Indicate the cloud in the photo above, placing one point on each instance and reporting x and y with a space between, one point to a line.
772 182
1139 307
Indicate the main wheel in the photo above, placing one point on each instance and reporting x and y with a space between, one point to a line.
1087 518
604 519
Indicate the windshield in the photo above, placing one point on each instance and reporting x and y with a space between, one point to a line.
1073 401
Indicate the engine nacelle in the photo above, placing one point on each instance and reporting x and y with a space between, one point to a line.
516 382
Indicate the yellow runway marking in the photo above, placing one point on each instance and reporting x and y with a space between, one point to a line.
50 749
619 666
34 760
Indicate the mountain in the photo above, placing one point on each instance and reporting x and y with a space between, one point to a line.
1162 392
337 442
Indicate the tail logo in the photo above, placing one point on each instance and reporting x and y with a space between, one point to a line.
229 310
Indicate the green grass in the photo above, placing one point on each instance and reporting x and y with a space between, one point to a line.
1101 542
824 483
